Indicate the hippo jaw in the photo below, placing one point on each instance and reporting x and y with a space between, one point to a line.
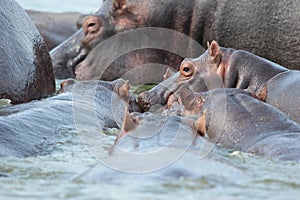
159 95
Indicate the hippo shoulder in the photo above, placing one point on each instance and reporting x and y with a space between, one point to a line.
25 67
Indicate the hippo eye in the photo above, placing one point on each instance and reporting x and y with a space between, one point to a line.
186 69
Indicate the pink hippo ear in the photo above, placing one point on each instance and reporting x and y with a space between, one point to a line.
119 6
214 50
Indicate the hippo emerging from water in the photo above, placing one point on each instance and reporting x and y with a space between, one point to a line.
266 28
229 68
26 129
231 117
25 67
235 119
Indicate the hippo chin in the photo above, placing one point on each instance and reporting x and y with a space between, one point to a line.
225 67
25 67
234 23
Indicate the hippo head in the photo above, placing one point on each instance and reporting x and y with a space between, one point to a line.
199 75
114 16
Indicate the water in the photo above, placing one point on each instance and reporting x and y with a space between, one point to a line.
56 174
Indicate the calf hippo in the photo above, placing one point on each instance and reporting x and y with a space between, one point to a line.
234 118
26 129
55 27
252 26
229 68
25 67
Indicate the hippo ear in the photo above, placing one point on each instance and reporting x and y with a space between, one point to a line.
128 122
214 50
170 72
119 6
200 124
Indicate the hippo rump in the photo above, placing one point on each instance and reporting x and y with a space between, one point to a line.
55 28
26 129
225 67
253 26
26 71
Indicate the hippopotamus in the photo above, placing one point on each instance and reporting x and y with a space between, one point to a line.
26 71
252 26
233 118
55 28
226 67
26 129
236 119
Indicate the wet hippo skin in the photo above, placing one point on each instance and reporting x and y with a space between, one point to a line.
225 67
252 26
234 118
26 129
26 71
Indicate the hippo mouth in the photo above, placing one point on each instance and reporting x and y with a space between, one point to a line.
147 100
76 61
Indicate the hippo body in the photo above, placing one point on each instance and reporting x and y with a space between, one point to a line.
26 129
26 71
225 67
54 27
253 26
283 92
234 118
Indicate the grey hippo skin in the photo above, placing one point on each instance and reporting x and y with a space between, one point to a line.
26 71
26 129
158 148
225 67
163 145
269 29
234 118
55 28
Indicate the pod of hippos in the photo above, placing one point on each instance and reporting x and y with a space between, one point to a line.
246 100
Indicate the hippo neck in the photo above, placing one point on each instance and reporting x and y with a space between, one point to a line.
248 71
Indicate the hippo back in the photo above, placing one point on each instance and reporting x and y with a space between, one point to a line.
25 67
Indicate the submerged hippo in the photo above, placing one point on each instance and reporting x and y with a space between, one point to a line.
55 27
26 129
234 118
26 71
229 68
252 26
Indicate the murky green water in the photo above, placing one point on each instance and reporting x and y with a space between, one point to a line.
58 172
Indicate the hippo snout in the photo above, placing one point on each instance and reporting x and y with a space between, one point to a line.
144 101
150 101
